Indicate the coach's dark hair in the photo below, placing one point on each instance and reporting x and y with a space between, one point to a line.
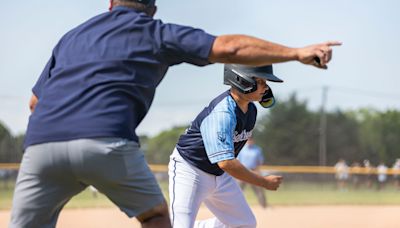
148 9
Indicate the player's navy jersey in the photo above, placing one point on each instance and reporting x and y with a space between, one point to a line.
101 78
218 133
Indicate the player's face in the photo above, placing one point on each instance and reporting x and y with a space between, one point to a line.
262 87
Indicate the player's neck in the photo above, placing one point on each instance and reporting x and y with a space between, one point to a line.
240 100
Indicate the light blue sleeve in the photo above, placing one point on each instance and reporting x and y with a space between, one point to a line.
217 131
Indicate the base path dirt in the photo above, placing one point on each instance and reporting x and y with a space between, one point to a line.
279 217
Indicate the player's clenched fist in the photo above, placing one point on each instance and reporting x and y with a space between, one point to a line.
273 182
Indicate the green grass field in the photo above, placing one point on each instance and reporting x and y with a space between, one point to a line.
288 194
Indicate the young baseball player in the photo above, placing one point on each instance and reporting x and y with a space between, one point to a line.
203 165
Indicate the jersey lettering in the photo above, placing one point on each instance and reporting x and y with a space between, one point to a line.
242 136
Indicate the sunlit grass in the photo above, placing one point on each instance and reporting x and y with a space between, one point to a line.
289 194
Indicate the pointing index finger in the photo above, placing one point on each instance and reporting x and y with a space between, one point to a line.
333 43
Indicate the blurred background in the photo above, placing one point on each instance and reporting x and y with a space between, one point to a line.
331 134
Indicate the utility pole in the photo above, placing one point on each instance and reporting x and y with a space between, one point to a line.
322 128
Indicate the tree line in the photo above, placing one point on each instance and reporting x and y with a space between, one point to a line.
288 134
11 147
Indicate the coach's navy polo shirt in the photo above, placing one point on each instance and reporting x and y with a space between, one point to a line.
217 134
101 78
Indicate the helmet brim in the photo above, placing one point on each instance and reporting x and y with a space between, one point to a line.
269 77
264 72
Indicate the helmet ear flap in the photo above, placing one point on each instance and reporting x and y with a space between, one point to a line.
268 100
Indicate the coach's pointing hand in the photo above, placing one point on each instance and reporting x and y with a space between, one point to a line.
273 182
317 55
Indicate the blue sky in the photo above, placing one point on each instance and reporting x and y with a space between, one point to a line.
362 74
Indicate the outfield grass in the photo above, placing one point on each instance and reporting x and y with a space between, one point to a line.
327 194
288 194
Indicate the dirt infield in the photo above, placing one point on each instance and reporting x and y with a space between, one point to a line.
280 217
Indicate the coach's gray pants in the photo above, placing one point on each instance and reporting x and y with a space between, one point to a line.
52 173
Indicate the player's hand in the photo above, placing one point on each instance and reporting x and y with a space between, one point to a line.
32 102
317 55
273 182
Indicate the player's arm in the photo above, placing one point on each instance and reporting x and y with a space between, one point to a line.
243 49
217 131
234 168
32 102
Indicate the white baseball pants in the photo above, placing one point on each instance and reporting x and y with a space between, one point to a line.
190 186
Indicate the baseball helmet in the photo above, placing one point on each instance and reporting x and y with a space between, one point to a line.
242 78
145 2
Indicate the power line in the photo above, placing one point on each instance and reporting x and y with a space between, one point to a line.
369 93
2 96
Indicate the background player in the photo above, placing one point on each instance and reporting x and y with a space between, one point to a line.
341 174
203 164
252 158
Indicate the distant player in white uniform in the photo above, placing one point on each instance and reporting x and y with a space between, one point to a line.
382 175
342 174
203 164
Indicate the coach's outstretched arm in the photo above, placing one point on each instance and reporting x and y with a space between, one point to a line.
242 49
